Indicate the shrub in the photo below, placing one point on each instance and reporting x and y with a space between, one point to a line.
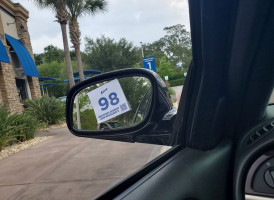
30 126
8 129
16 127
48 110
177 82
171 91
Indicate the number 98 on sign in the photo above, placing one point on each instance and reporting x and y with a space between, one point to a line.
108 101
104 103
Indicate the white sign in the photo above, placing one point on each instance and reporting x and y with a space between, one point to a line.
108 101
166 78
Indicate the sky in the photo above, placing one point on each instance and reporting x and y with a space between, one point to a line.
136 20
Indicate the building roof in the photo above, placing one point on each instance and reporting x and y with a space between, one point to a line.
15 9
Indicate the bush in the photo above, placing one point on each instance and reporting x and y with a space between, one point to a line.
171 91
8 129
177 82
48 110
16 127
30 126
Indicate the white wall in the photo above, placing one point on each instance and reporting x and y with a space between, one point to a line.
9 29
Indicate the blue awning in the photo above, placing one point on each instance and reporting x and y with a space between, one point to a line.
76 79
48 78
3 53
46 84
26 60
87 72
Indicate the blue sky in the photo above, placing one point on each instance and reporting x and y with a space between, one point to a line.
136 20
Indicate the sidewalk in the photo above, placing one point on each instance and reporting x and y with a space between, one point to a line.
69 167
178 90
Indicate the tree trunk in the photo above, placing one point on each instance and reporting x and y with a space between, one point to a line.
67 54
75 34
79 63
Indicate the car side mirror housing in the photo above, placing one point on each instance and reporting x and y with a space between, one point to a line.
131 105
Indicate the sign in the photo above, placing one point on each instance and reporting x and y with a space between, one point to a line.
108 101
166 78
149 63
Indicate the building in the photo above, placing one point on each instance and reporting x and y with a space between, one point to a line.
18 73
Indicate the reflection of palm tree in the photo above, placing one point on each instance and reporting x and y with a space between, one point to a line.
77 9
59 7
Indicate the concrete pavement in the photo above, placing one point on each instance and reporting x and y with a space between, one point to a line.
69 167
178 89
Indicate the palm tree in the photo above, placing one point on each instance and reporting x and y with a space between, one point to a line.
78 9
59 7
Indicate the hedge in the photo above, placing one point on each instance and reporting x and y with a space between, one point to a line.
177 82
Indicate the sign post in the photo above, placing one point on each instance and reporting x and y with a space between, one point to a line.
149 63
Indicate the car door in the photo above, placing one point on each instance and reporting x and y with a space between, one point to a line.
225 97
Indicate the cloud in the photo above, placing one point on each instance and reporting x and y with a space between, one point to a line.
138 15
41 42
178 4
136 20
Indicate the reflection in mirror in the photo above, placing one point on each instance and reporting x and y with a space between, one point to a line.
119 103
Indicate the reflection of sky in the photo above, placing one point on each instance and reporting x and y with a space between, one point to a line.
136 20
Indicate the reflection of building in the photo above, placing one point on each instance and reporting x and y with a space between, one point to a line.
18 73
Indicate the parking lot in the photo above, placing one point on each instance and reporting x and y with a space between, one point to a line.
68 167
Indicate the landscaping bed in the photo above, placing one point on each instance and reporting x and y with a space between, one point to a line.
10 150
18 128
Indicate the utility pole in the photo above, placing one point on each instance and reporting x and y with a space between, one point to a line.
142 49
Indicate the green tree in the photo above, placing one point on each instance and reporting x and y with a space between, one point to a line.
155 49
57 70
39 59
54 69
59 7
53 53
178 45
165 68
78 9
175 45
105 54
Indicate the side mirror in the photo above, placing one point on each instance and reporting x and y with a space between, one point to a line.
130 105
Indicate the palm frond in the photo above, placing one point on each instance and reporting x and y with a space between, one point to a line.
82 7
52 4
93 7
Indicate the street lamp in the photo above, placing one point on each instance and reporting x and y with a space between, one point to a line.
142 49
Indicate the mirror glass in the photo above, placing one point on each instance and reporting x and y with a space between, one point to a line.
118 103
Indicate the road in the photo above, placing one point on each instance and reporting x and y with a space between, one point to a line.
69 167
